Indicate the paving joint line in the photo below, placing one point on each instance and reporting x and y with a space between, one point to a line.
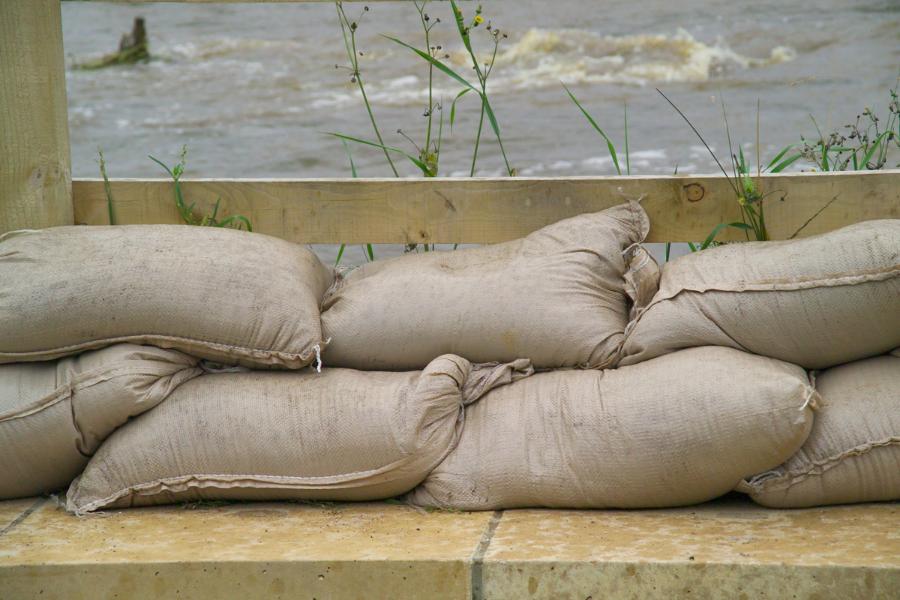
25 514
478 555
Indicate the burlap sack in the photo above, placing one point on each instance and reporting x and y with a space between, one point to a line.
853 451
338 435
53 415
560 296
815 302
221 294
676 430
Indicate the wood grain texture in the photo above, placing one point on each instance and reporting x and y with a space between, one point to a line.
35 179
444 210
249 1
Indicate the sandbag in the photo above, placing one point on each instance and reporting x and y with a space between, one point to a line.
54 415
853 451
816 302
560 297
215 293
338 435
676 430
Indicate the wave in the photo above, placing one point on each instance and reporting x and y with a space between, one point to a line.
543 57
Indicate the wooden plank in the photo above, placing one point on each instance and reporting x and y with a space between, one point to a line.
449 210
247 1
35 171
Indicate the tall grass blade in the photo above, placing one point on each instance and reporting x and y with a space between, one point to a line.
711 153
453 106
785 163
496 127
437 63
609 145
418 163
875 145
627 154
718 229
107 189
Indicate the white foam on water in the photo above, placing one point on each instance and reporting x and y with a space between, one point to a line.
543 57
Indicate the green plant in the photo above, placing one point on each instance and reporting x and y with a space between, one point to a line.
611 148
427 156
865 146
746 190
187 210
107 189
367 248
348 30
482 73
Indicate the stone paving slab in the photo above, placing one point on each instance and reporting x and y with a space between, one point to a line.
729 548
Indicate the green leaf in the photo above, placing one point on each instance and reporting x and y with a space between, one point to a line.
162 164
627 154
717 229
349 157
609 144
778 156
785 163
453 106
340 254
438 64
235 218
868 156
466 40
421 165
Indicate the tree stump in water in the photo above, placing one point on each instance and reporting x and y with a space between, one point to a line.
133 48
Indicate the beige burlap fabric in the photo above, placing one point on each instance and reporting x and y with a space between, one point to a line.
338 435
853 451
675 430
215 293
815 302
560 297
54 415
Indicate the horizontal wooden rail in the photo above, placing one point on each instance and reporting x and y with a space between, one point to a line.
245 1
449 210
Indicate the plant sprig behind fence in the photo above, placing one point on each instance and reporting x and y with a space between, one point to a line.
187 210
865 146
107 188
611 148
482 73
750 201
348 30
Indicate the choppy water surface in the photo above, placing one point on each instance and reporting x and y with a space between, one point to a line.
250 88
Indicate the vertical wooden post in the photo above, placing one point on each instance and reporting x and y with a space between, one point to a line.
35 165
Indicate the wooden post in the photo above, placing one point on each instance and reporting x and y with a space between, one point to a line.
35 165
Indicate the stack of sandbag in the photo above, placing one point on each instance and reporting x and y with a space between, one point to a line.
560 297
853 451
54 415
204 293
651 393
691 407
336 435
565 297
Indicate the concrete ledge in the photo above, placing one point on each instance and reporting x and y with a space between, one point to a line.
729 548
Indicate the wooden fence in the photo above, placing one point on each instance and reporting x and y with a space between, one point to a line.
36 189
